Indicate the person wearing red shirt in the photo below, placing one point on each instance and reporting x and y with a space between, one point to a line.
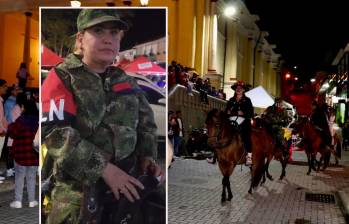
26 158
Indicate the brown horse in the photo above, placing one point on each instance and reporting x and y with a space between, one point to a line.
264 147
225 139
313 144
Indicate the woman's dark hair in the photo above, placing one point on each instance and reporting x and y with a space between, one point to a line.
23 65
30 108
21 99
2 82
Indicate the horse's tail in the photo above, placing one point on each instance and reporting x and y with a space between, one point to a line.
258 170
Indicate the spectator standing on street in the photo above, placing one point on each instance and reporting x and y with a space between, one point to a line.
9 105
22 76
178 138
3 122
22 131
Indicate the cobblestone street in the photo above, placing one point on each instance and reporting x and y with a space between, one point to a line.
10 215
195 192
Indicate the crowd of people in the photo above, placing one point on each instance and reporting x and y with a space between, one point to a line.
184 76
19 122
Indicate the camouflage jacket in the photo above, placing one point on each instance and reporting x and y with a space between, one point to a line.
89 119
276 117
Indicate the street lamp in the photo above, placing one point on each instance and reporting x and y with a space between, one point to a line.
144 2
230 11
225 51
75 4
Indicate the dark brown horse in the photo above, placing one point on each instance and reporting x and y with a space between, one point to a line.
313 144
225 139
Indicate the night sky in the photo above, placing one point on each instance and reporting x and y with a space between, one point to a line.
308 33
147 25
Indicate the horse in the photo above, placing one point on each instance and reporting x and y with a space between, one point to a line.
313 144
225 139
262 133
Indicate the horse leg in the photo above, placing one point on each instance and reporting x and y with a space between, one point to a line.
336 158
325 163
334 153
327 158
313 161
266 172
309 163
230 194
263 179
270 177
319 164
283 162
251 186
223 199
250 190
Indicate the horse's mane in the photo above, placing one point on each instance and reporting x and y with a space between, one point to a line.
231 131
221 115
212 113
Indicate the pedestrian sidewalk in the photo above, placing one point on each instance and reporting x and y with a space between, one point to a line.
342 193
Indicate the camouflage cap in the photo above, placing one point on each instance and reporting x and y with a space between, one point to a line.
91 17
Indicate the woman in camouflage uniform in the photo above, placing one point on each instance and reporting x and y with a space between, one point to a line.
277 117
97 124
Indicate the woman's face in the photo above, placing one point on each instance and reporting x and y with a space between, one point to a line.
100 44
239 90
3 89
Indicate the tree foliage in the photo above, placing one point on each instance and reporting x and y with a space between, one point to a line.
58 27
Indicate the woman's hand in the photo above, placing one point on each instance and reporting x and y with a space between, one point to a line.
121 183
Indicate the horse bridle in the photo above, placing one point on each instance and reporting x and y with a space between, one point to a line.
218 126
217 137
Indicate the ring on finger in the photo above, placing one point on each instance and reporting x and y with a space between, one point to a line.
122 190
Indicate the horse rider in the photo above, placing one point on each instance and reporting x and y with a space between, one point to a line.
240 105
320 120
276 117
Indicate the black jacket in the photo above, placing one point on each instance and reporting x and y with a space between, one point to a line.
245 105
